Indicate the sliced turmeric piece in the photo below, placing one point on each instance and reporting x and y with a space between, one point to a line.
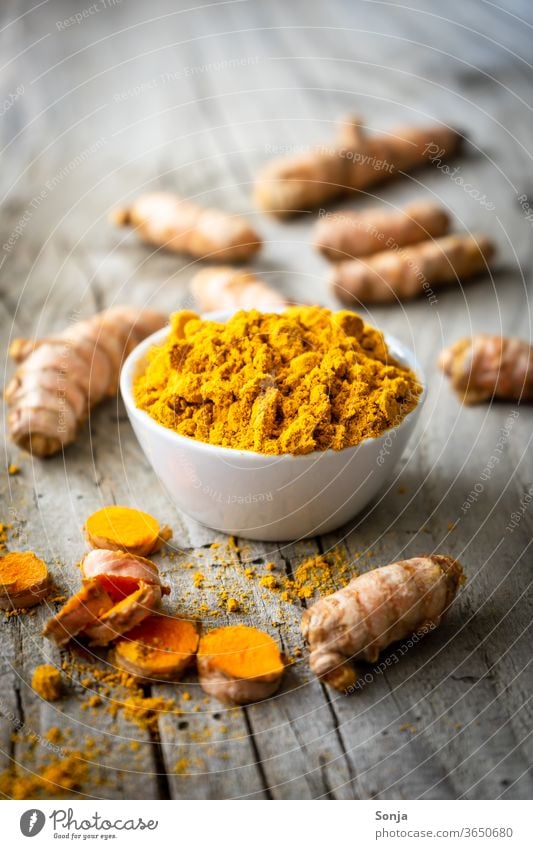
80 611
24 580
239 664
124 615
120 572
160 648
125 529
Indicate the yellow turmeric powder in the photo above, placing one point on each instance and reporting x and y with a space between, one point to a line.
24 580
304 380
47 682
125 529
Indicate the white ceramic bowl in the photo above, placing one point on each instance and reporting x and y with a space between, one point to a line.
258 496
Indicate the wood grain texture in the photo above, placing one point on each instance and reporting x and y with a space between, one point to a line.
194 98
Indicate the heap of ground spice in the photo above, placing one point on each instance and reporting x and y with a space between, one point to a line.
47 682
304 380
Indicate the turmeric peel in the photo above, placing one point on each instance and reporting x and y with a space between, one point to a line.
239 664
120 572
124 615
160 648
24 580
125 529
375 610
294 382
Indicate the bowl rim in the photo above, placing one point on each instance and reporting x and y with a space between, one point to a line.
400 351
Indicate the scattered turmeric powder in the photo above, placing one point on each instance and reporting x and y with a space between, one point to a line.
3 535
145 711
304 380
268 581
60 777
47 682
118 528
24 580
160 648
320 575
239 664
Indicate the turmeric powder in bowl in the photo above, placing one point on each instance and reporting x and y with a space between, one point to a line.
306 379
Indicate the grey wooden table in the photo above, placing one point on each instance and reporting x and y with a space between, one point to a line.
194 97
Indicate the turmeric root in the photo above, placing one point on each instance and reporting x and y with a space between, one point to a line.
60 378
125 529
375 610
124 615
78 613
483 367
238 665
168 221
227 288
24 580
354 234
160 648
290 185
120 572
404 274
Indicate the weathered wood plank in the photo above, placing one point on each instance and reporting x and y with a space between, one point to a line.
195 102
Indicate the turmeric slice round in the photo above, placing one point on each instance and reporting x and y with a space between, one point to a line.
125 529
239 664
24 580
160 648
80 611
124 615
120 572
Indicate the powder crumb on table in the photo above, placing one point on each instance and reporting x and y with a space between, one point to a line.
47 682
